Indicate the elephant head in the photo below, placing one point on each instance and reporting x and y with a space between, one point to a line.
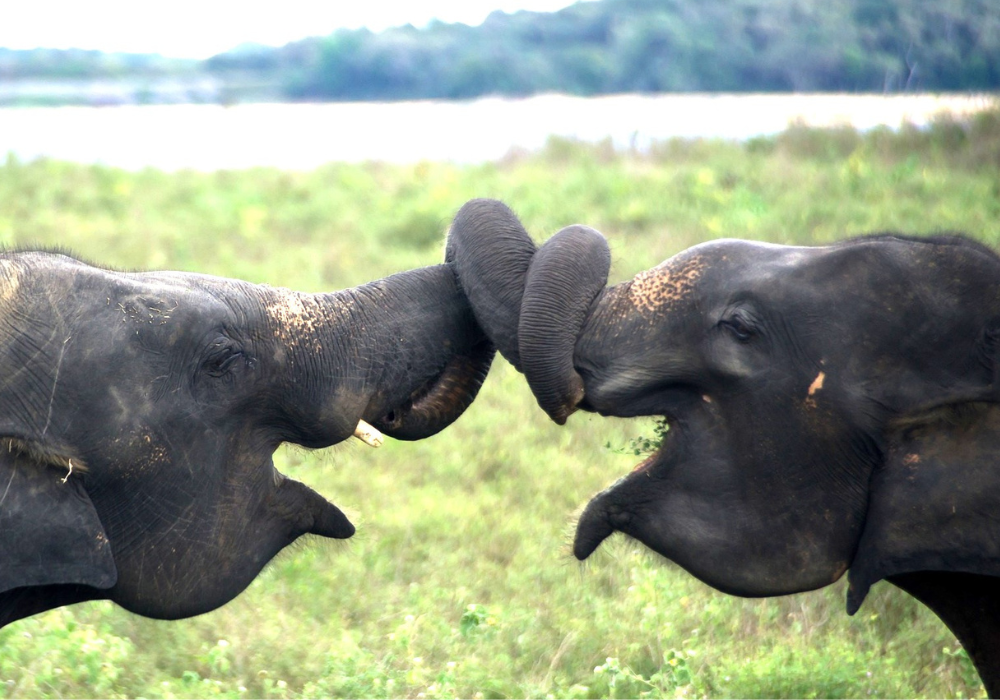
139 414
829 408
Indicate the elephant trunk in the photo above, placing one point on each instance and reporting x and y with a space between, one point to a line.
565 277
491 253
403 353
531 303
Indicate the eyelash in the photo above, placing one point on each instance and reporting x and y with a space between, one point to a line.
222 360
738 328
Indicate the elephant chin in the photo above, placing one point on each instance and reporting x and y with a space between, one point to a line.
592 529
604 515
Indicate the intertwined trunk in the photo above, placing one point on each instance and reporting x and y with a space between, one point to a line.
531 302
403 353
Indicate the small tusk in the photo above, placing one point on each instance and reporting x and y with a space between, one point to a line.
368 434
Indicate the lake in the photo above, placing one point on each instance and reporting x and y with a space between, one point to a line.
303 136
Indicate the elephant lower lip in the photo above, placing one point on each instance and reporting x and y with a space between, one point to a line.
592 529
333 523
604 515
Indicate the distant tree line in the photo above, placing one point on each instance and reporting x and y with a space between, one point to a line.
82 64
613 46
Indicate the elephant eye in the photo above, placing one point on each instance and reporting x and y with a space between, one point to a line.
222 357
738 327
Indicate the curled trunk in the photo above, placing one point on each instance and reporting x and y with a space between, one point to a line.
403 353
532 303
565 277
491 253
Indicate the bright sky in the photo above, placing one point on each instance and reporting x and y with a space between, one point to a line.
201 28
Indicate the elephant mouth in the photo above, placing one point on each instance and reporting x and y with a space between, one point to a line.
683 408
616 508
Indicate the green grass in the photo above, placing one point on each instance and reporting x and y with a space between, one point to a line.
459 582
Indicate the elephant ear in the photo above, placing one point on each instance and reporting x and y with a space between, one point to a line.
49 529
933 503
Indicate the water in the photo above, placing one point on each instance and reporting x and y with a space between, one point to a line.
303 136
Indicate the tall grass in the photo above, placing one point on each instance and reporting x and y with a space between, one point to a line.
459 582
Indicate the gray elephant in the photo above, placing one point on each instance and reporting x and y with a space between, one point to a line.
139 414
831 408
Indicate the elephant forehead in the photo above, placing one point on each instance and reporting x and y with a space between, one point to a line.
670 283
723 265
666 285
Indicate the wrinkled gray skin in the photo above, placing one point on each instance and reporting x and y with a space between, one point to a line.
830 408
139 414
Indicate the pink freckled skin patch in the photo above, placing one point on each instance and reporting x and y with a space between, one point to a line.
817 383
666 285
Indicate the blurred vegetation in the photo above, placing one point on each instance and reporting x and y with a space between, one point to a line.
600 47
84 63
615 46
459 582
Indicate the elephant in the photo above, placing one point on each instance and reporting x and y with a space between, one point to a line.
139 413
830 409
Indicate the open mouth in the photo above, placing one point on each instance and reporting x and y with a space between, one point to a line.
607 513
613 510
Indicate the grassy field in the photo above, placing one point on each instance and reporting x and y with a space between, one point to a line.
459 582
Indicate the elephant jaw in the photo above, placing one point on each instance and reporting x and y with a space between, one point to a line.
687 503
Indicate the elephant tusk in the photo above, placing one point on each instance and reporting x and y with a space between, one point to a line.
368 434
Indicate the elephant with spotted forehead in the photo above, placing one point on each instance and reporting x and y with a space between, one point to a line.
832 409
139 413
